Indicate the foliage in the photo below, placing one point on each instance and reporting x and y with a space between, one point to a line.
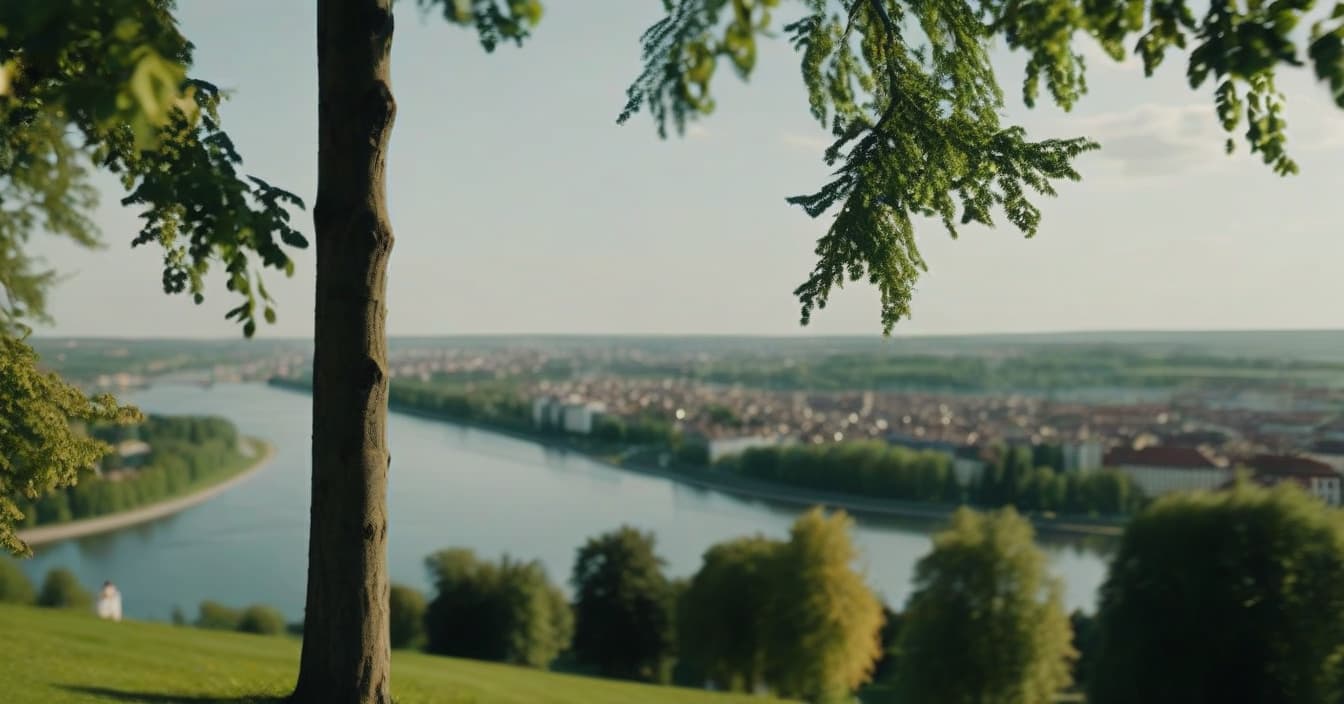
61 590
871 468
623 606
1232 596
261 620
824 629
55 657
890 637
406 616
1084 627
216 616
792 615
493 24
15 587
507 611
985 623
41 450
113 74
723 614
186 453
1010 480
877 469
913 103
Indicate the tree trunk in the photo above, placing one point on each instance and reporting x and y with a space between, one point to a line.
345 636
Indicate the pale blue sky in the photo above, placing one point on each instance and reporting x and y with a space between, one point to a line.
520 206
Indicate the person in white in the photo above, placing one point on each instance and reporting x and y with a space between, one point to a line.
109 602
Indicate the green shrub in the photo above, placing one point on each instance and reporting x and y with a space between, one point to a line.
14 585
62 590
407 617
218 617
262 620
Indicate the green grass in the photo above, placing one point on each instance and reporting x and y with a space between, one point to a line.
53 657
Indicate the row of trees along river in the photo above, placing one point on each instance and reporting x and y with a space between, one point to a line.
161 458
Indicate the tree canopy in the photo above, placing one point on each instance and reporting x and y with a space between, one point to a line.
723 616
1233 596
622 606
985 623
826 623
507 611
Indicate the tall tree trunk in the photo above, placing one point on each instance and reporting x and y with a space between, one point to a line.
345 636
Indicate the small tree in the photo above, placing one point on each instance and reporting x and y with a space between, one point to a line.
623 606
218 617
986 623
722 616
406 617
15 588
62 590
1225 597
824 630
262 620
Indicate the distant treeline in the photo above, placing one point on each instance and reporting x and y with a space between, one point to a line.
185 453
1072 367
879 470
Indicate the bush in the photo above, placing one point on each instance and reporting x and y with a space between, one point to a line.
217 617
262 620
62 590
407 617
14 585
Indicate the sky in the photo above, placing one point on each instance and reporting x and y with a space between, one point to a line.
519 206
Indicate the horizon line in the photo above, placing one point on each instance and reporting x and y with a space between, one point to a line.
722 336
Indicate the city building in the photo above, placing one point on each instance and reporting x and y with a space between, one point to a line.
1317 478
573 415
579 416
1082 455
1158 469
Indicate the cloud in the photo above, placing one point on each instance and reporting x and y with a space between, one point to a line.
1155 140
696 131
1096 58
815 143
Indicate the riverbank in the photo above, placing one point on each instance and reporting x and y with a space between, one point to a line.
779 494
263 452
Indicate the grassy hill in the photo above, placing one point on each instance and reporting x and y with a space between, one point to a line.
53 657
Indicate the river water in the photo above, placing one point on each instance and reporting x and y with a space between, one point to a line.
449 486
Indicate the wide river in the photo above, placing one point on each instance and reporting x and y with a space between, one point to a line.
449 486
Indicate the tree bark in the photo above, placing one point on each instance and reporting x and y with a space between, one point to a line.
345 636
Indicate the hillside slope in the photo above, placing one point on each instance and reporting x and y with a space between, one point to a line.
53 657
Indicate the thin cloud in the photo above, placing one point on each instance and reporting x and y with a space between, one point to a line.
815 143
1156 140
696 131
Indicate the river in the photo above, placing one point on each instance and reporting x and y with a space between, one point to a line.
448 486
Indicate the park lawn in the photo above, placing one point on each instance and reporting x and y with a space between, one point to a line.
56 657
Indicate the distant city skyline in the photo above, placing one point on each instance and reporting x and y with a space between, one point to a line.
521 208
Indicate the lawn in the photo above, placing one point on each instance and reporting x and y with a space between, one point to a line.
53 657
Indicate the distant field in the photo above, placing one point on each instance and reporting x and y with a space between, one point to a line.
55 657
